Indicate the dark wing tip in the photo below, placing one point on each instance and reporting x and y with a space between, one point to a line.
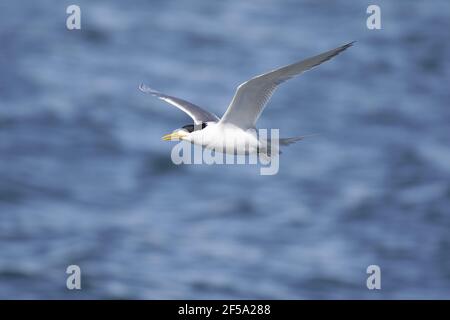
345 46
333 53
348 45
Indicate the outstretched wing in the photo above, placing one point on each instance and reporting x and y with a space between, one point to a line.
252 96
195 112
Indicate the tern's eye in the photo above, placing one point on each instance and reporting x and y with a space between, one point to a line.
190 127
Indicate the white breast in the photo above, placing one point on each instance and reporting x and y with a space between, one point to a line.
229 138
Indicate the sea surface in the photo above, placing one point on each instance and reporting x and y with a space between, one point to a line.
86 180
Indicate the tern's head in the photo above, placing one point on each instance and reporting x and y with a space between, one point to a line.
184 132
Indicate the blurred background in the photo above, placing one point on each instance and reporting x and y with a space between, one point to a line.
85 178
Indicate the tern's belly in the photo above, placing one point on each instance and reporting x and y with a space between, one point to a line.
233 148
241 142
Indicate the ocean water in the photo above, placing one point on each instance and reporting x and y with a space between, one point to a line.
85 178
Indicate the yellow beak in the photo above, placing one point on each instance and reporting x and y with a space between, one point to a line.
173 136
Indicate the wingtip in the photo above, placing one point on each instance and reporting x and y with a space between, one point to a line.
345 47
146 89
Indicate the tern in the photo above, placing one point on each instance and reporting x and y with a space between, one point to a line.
235 132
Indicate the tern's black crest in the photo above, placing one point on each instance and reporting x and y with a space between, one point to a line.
192 127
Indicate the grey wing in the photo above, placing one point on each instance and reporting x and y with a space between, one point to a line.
198 114
252 96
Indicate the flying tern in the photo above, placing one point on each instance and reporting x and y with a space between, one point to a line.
235 132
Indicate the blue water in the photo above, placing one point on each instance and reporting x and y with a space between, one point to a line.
85 178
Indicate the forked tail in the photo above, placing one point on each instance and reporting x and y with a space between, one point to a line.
283 142
288 141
